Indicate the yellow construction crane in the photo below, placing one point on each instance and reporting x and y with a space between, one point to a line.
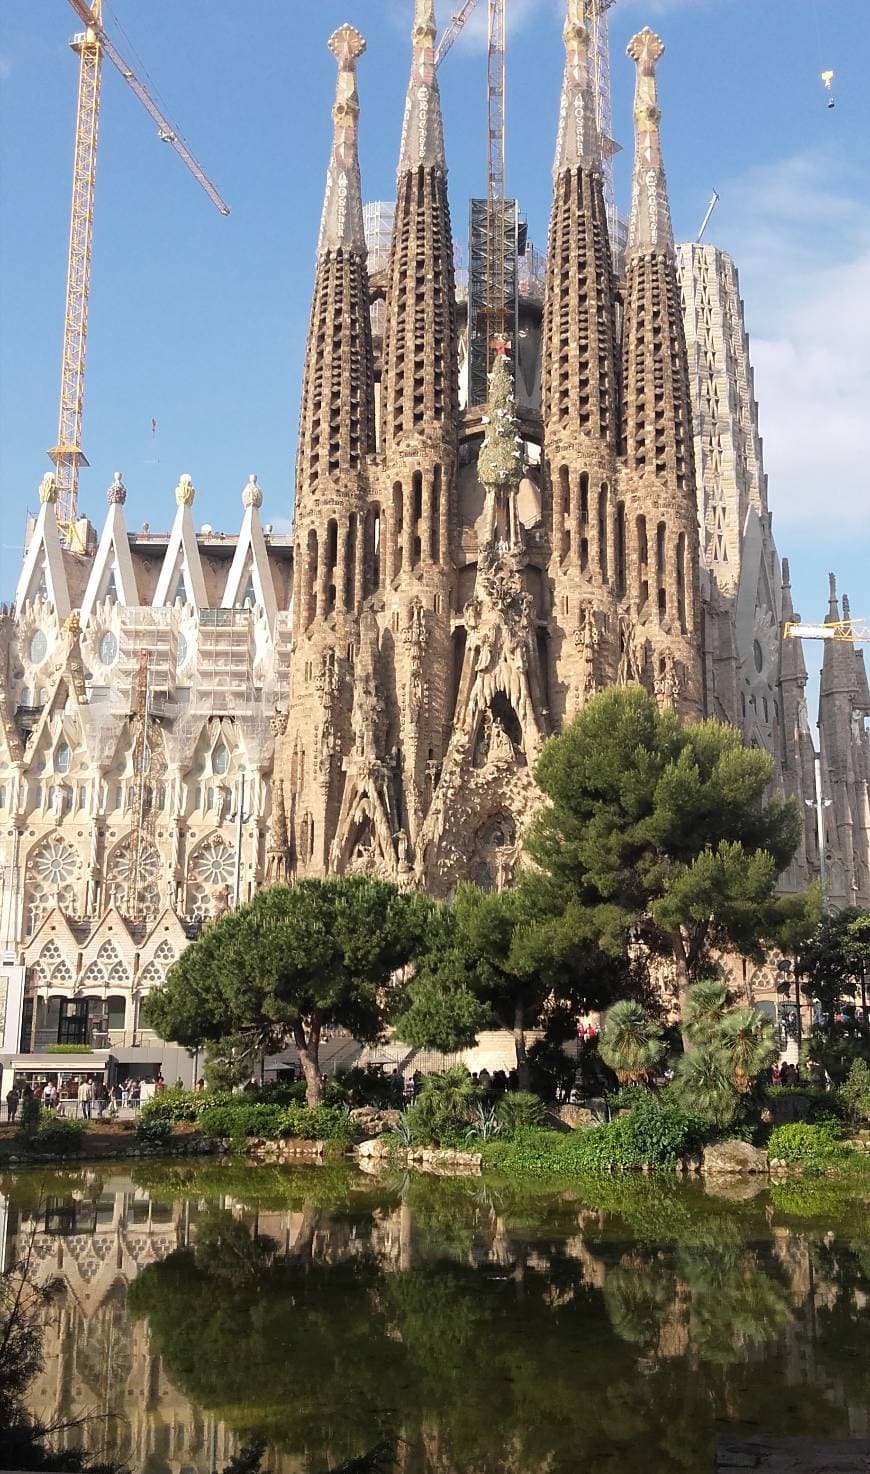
840 629
90 46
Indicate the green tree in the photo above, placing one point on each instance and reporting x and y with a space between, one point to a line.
294 961
666 830
505 958
630 1043
835 956
231 1061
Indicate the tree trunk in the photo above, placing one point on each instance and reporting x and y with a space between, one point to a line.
519 1033
681 967
309 1057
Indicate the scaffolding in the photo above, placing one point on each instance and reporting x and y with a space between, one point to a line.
485 313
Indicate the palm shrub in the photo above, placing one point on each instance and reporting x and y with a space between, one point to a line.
707 1005
745 1038
703 1085
444 1109
520 1108
631 1043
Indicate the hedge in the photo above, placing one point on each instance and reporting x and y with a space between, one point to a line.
240 1118
653 1135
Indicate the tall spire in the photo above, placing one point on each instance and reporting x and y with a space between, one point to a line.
419 392
650 226
337 421
341 225
579 374
577 142
422 129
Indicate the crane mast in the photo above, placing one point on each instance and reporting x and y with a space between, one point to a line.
499 319
91 45
67 455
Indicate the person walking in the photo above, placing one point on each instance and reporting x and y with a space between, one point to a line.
85 1099
12 1099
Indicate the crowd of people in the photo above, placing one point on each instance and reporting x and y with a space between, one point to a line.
87 1097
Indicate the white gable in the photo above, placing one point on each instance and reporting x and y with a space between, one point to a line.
249 580
181 577
43 575
112 576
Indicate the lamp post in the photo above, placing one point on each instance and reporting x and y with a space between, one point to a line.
241 817
820 804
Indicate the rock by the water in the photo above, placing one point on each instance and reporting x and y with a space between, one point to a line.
735 1157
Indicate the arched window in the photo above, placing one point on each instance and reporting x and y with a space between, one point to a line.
62 757
220 758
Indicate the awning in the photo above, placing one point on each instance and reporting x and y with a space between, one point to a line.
58 1064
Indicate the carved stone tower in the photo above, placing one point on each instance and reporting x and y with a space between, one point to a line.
335 442
580 397
419 410
658 480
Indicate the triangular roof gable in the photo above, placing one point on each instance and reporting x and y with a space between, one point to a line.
43 561
111 927
167 928
182 556
113 560
251 560
53 923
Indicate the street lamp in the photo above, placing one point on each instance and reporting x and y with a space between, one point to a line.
820 804
241 817
784 968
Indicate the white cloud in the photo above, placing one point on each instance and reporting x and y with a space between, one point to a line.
801 237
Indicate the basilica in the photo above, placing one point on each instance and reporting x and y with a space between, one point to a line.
188 715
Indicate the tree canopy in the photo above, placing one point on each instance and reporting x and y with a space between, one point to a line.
293 961
665 831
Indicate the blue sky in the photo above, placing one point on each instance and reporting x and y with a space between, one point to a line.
200 322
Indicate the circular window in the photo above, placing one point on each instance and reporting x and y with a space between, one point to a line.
182 650
38 648
108 648
62 758
758 655
220 758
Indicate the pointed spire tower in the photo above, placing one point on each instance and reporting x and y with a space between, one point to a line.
659 477
579 375
844 753
419 425
331 520
337 423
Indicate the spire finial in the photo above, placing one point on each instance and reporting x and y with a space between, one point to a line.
422 127
252 495
341 226
48 491
786 574
833 611
577 142
650 227
185 491
117 492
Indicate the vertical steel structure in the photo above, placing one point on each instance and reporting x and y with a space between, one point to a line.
67 454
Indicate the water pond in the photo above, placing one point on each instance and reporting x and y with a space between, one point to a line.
599 1327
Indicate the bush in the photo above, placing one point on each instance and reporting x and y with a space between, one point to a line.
444 1109
240 1118
28 1115
54 1136
153 1131
520 1108
854 1093
69 1049
815 1148
654 1134
363 1087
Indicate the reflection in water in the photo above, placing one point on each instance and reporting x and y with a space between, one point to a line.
489 1329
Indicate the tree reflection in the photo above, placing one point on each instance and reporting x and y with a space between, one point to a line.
455 1318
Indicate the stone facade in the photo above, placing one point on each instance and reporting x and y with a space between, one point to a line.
185 720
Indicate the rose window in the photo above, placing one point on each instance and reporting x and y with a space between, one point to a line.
52 871
123 879
211 877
